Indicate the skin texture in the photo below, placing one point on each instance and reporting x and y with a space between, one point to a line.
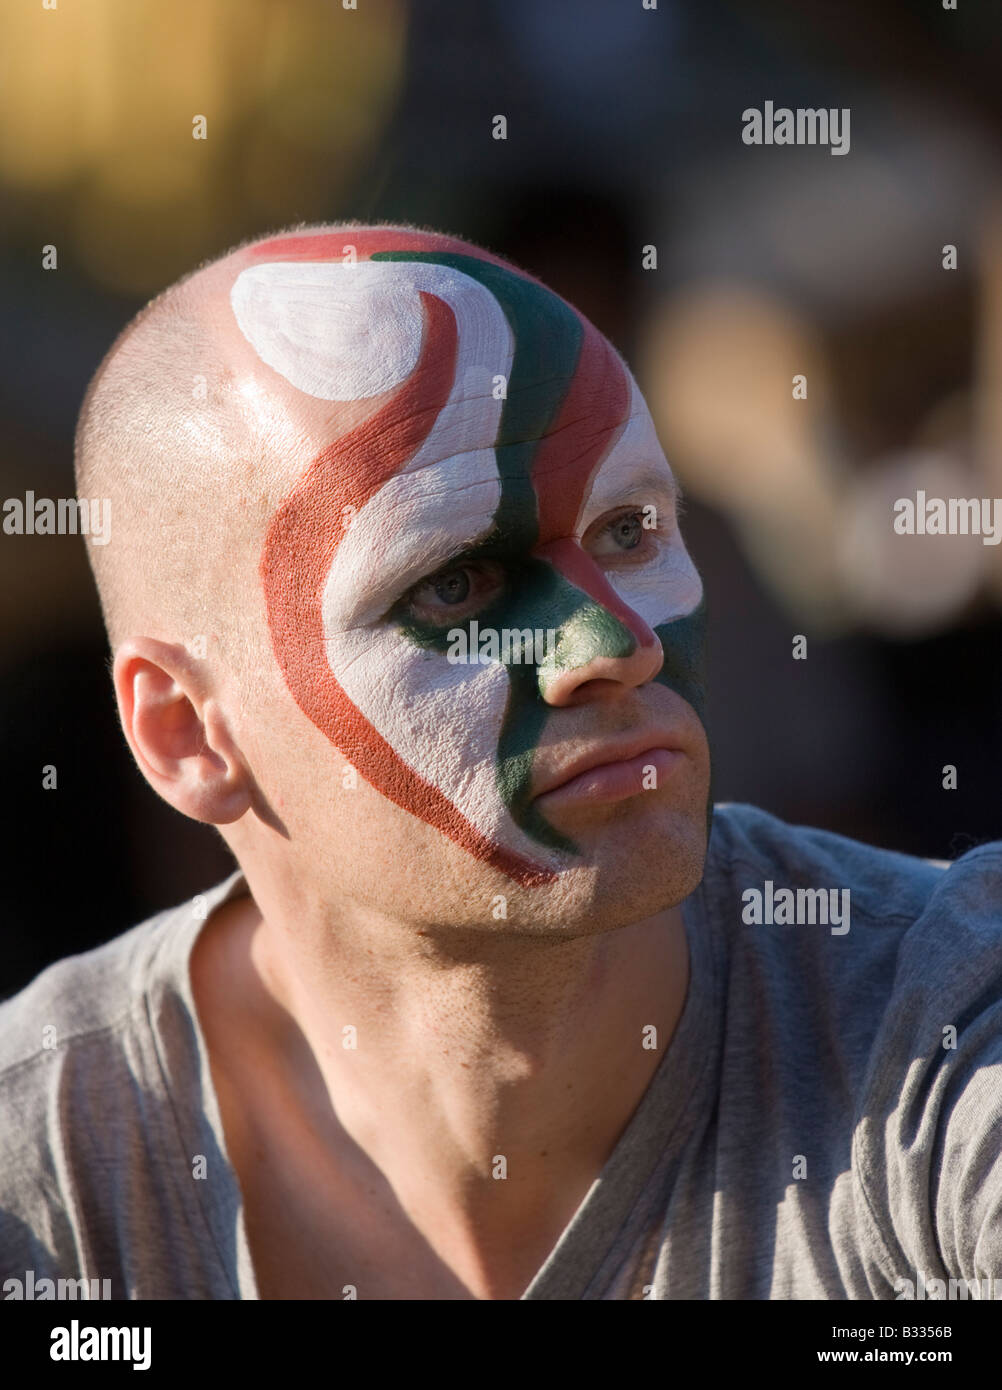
498 951
454 745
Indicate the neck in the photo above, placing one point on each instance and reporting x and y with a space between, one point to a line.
486 1076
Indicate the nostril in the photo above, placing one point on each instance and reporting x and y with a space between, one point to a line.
595 689
602 677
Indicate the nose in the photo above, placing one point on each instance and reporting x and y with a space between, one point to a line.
619 666
604 648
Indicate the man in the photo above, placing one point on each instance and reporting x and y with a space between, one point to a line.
398 601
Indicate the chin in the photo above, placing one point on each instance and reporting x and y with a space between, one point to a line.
632 866
638 837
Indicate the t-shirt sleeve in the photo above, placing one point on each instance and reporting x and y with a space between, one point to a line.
968 1192
927 1152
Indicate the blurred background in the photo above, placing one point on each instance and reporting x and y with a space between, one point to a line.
624 135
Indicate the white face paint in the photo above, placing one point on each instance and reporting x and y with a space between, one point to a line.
313 323
347 332
339 332
636 470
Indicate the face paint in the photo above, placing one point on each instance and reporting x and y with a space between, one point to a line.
449 471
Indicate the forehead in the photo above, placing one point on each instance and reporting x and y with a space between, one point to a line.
455 355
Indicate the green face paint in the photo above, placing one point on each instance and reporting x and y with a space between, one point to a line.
452 469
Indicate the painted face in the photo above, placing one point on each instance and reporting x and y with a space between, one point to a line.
464 505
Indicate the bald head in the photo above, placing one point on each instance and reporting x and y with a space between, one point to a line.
333 456
194 451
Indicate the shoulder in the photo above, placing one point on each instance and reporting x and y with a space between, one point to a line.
919 947
806 930
95 993
748 844
78 996
79 1065
928 1144
903 1012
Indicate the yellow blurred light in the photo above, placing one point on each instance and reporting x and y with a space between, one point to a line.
907 585
717 367
100 97
278 182
135 249
144 176
719 362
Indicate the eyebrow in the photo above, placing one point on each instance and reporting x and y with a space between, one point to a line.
415 567
649 480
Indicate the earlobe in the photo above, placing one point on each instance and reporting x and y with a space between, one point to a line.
177 732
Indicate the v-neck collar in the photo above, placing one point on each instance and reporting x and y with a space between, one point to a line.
586 1256
584 1261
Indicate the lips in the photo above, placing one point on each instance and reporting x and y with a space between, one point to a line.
614 770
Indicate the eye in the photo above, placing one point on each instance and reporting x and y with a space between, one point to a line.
453 594
627 531
622 538
452 587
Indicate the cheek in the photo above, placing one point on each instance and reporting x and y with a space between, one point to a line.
442 719
668 588
380 554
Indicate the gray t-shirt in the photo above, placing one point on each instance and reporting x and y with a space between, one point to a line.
826 1122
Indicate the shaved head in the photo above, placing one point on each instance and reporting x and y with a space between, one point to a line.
338 458
194 457
189 466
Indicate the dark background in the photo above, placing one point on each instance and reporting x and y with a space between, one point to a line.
624 131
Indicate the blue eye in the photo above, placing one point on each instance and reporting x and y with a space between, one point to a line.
453 587
627 531
454 594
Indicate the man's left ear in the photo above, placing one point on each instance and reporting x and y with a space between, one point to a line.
178 733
